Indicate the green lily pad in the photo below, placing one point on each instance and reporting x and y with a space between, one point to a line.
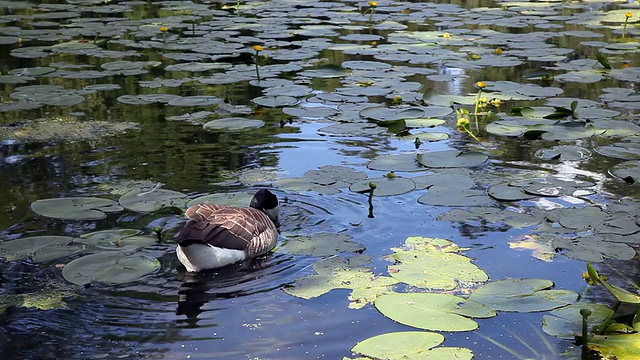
230 199
352 129
629 171
592 248
624 151
117 239
433 311
564 153
511 128
573 130
391 114
451 159
275 101
150 200
522 295
343 273
448 196
454 181
75 208
385 186
322 244
566 322
109 267
233 124
408 345
433 264
39 248
395 162
507 192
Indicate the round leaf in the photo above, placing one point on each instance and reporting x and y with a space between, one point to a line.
522 295
109 267
75 208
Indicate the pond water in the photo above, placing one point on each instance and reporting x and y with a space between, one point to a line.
102 99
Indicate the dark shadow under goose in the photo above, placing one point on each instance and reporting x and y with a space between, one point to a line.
219 235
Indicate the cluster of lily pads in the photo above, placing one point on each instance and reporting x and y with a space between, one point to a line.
426 264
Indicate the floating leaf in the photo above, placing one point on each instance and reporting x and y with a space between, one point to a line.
408 345
150 200
563 153
522 295
566 322
117 239
233 124
39 248
507 192
451 158
395 162
448 196
343 273
230 199
454 181
75 208
322 244
432 311
629 171
433 264
391 114
385 186
109 267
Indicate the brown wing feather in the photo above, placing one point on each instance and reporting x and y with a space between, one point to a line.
228 227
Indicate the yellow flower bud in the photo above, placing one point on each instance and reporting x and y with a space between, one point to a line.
374 43
481 84
164 29
446 35
463 123
257 48
475 57
496 102
497 51
628 14
373 3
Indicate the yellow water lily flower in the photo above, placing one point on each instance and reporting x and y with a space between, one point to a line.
446 35
628 14
475 57
481 84
164 29
496 102
373 3
463 123
257 48
497 51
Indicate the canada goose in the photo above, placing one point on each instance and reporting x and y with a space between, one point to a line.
220 235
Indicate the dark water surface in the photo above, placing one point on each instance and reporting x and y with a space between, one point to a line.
241 312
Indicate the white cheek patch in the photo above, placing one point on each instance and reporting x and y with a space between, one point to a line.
273 214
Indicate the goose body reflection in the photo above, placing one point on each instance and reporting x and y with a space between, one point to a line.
219 235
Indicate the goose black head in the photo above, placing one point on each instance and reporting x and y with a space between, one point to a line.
267 202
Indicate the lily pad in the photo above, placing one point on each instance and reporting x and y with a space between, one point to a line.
454 181
384 186
409 345
448 196
391 114
39 248
507 192
229 199
75 208
522 295
629 171
566 323
563 153
150 200
433 264
233 124
623 151
117 239
343 273
433 311
395 162
451 158
109 267
322 244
